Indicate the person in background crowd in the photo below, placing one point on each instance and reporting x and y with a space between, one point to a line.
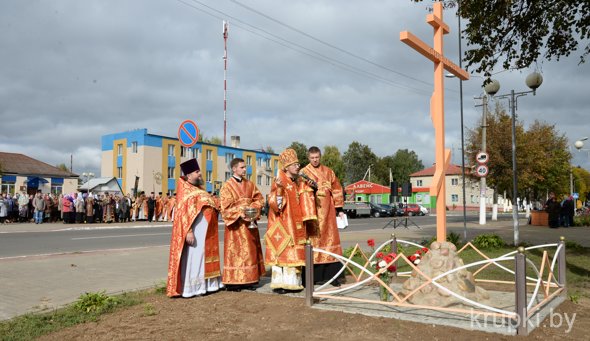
122 205
3 208
159 205
23 207
151 204
31 208
80 209
89 209
60 204
552 207
39 206
108 206
13 214
67 209
48 207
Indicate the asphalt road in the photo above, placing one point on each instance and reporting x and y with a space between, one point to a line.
59 238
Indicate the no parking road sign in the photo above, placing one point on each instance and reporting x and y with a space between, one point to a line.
188 133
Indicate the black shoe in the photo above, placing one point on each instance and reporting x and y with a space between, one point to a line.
336 283
279 291
251 287
235 288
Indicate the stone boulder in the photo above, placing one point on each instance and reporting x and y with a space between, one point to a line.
441 258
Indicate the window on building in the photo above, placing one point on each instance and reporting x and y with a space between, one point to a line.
419 183
455 182
134 147
454 197
276 164
268 180
195 153
267 163
183 151
170 172
209 155
56 189
120 172
259 180
229 157
119 149
227 176
249 160
209 176
259 161
249 177
7 187
170 150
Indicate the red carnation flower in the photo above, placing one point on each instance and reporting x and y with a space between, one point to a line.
379 255
391 268
412 258
425 249
371 242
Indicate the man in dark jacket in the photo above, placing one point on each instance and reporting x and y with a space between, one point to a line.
553 208
151 207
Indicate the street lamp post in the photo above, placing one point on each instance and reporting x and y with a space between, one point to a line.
533 81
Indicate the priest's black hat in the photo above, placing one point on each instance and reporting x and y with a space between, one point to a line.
189 166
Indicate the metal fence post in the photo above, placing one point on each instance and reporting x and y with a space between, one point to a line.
393 245
561 263
521 296
308 273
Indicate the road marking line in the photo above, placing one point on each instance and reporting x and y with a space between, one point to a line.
122 235
82 252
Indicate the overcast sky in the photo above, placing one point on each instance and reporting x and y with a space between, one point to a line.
73 71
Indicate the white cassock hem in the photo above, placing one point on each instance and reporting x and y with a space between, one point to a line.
192 264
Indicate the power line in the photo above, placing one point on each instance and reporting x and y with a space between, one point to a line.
310 52
327 43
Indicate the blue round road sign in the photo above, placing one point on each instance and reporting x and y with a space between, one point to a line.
188 133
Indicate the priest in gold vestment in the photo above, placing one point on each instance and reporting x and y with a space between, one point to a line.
243 264
193 266
323 233
291 205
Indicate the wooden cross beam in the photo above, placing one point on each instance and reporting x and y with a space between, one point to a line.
437 111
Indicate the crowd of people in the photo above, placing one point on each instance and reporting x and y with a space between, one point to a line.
561 213
303 204
86 208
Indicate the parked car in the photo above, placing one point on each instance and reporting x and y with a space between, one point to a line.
395 210
381 210
412 210
423 210
355 209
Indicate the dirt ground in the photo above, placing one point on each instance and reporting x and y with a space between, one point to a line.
252 316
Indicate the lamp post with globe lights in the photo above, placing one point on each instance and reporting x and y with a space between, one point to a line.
533 81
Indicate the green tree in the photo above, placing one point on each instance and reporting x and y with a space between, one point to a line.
542 159
403 163
331 157
581 179
269 149
301 151
519 33
357 160
63 167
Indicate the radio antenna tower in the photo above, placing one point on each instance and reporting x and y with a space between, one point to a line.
225 31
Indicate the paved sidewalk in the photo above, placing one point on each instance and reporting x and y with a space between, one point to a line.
46 282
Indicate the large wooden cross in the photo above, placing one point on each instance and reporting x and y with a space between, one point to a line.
437 108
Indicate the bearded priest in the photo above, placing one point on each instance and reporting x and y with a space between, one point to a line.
193 266
291 204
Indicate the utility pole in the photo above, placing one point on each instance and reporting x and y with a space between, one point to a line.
482 180
225 35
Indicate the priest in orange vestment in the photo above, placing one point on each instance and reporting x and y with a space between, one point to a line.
323 233
291 205
243 264
193 266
